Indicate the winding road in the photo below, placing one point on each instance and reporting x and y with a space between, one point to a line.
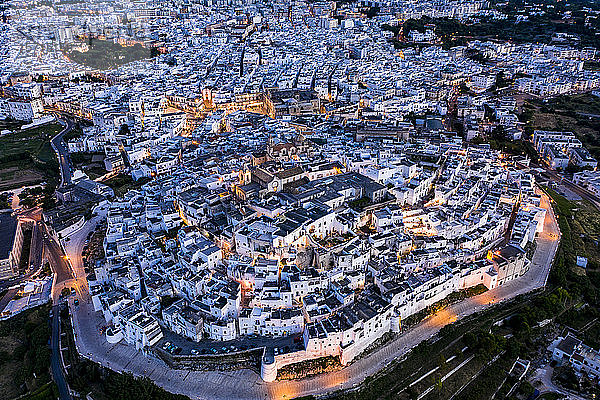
62 152
59 264
246 384
58 372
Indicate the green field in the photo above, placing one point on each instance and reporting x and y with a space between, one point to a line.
27 158
104 54
579 223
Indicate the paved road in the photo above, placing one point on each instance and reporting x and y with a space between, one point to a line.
61 151
56 363
246 384
74 249
58 262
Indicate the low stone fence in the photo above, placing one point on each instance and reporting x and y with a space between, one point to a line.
248 359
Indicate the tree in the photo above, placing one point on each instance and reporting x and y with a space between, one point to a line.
501 81
469 339
372 11
414 25
513 348
442 362
394 29
124 130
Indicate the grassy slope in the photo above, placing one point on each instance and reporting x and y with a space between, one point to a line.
566 113
104 54
23 352
27 157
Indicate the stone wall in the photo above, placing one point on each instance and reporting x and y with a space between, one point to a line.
249 359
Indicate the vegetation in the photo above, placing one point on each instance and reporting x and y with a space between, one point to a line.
591 65
309 368
74 133
27 158
566 377
121 184
579 224
550 396
39 195
482 338
5 200
25 355
104 384
91 163
49 391
371 12
579 114
498 141
10 124
360 204
104 54
167 301
538 28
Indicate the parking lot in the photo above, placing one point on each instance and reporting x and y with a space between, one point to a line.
172 341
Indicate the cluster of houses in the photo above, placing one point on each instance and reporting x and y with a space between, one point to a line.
326 239
307 185
570 350
560 149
